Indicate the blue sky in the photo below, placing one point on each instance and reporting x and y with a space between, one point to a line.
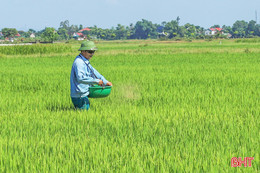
38 14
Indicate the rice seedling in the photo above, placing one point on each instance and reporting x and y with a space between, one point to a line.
174 107
35 49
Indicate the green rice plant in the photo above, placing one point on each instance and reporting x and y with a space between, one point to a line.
174 107
35 49
248 40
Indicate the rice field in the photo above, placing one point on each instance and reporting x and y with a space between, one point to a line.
174 107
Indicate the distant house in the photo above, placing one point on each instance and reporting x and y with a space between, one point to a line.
79 35
32 35
228 35
10 38
163 34
17 35
84 29
213 31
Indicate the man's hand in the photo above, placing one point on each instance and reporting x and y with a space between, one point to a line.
100 82
109 84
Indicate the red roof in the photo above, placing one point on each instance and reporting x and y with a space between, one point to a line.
85 29
80 34
18 35
219 29
214 29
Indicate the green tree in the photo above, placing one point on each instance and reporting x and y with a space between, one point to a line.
71 29
178 23
49 34
63 33
235 34
251 28
240 28
257 30
121 32
80 27
182 31
130 31
227 29
24 34
86 33
163 23
111 34
200 32
9 32
65 24
215 26
32 31
190 30
172 28
145 29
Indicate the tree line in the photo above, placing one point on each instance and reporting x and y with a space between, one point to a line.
142 29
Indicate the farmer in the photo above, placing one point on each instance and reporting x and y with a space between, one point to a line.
83 75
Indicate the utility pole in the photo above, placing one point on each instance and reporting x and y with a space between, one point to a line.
256 16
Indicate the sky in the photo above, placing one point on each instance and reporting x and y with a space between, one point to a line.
38 14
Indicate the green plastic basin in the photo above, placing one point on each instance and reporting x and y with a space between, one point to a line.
99 91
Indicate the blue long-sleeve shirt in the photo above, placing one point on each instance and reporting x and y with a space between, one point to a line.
82 77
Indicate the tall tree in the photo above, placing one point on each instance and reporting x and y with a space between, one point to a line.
215 26
239 28
63 33
257 30
23 34
65 24
49 34
163 23
145 29
190 30
9 32
227 29
131 31
72 29
251 27
121 32
80 27
172 28
31 31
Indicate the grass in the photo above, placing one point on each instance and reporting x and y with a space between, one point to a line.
34 49
248 40
174 107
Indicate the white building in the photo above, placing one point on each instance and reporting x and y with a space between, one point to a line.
213 31
32 35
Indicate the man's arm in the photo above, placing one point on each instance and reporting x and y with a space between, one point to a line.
99 76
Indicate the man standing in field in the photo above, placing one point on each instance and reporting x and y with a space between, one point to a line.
83 75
